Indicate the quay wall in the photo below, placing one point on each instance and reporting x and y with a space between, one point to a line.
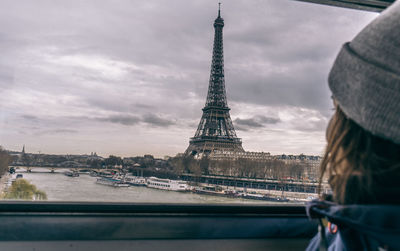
270 185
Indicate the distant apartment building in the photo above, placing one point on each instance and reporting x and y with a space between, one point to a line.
231 155
264 165
311 164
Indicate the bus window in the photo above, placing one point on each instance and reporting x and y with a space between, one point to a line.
178 102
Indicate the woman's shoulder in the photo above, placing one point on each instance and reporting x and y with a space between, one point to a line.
358 226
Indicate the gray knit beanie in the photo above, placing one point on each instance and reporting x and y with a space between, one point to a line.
365 78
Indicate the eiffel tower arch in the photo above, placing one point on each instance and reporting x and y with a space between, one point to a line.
215 130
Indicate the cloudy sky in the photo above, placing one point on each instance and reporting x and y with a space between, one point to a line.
130 77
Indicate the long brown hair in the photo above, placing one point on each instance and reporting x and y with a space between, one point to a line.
361 168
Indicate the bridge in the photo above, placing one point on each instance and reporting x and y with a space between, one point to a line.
60 169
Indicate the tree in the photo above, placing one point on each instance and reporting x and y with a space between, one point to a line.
113 160
5 160
204 165
94 163
177 164
21 189
26 159
187 164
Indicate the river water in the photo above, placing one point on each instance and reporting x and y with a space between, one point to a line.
59 187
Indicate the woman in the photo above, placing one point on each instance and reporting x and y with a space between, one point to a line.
362 159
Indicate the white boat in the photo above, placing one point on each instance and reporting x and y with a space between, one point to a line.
71 174
167 184
210 190
111 182
135 180
265 197
105 174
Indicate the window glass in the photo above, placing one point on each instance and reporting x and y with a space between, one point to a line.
166 101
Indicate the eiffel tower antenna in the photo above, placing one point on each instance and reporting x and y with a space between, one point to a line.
215 130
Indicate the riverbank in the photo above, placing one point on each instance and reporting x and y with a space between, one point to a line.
84 188
293 196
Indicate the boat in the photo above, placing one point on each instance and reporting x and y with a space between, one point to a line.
211 190
167 184
263 197
282 199
253 196
71 174
135 180
105 174
231 193
111 182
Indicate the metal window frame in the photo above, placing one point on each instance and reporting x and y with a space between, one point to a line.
80 221
366 5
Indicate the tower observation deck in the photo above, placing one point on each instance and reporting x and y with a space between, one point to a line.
215 130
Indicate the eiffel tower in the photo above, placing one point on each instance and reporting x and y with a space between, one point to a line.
215 130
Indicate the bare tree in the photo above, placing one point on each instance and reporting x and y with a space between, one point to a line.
5 160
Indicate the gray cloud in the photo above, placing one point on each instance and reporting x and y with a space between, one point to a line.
248 122
268 120
108 104
56 131
29 117
299 87
143 106
121 119
254 122
129 120
155 120
310 126
241 128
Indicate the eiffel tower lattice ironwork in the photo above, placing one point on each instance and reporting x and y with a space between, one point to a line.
215 130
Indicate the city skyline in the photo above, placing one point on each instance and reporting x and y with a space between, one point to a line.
131 78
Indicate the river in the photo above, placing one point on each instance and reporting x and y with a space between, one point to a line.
59 187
